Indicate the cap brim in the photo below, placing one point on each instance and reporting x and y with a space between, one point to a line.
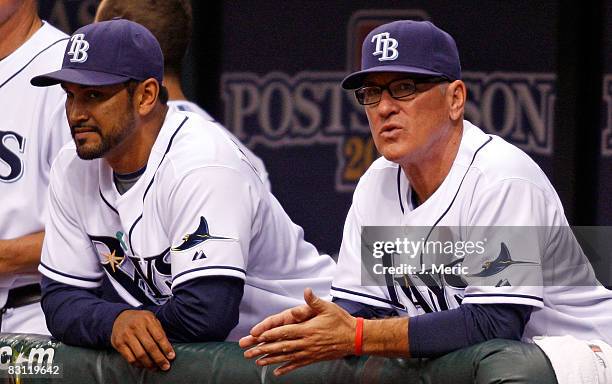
77 76
355 80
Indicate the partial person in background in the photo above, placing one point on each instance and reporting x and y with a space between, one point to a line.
171 21
33 128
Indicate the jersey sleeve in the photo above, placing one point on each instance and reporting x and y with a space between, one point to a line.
351 280
67 254
54 126
53 133
512 220
208 219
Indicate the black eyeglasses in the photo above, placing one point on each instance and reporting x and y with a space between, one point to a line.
398 89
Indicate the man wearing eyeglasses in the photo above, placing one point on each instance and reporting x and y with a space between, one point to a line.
523 276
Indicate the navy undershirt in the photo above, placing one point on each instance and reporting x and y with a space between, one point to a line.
437 333
201 309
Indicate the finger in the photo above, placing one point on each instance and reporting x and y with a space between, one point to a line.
157 332
289 358
153 350
140 353
274 321
281 347
301 314
254 351
285 332
286 368
314 301
248 341
127 354
268 323
308 294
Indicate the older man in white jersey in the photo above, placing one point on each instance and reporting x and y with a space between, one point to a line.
504 262
32 130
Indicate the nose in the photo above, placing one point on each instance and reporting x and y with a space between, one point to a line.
75 112
387 104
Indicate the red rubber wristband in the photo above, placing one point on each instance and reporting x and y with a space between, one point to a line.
358 336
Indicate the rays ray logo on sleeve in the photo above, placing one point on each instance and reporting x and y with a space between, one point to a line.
503 261
201 234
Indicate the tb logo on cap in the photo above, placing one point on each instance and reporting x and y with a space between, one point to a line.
385 46
78 48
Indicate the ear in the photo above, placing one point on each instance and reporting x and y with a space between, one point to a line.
146 96
456 93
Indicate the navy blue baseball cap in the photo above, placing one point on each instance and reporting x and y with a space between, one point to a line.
108 52
415 47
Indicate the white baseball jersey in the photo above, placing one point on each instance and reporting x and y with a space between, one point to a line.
199 209
33 127
491 186
188 106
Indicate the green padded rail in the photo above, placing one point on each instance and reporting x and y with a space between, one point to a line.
223 363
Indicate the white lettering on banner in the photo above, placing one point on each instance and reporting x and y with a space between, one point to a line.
516 106
310 108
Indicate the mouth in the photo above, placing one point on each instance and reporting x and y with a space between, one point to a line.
390 130
81 133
